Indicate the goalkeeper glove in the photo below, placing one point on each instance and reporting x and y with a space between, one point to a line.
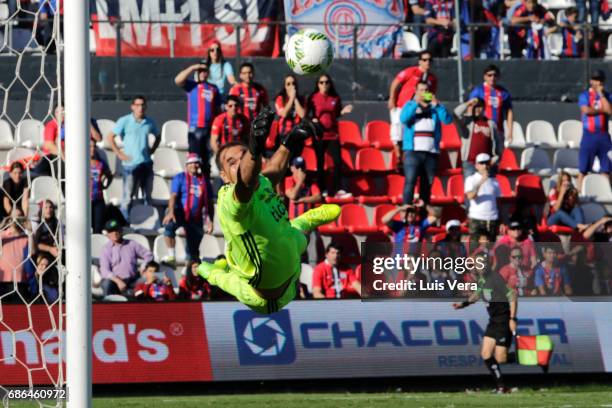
294 140
260 129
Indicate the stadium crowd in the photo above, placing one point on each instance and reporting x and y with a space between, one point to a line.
540 245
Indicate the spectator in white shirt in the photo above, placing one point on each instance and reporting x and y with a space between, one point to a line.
482 189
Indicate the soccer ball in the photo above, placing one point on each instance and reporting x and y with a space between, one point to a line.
309 52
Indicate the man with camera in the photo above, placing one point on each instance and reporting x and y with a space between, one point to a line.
203 105
422 120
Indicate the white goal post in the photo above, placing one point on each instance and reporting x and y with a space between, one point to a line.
78 206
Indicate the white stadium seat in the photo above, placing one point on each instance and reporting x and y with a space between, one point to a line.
113 194
211 247
411 42
592 212
536 161
306 276
144 219
96 279
29 133
160 250
555 43
597 188
6 135
106 126
44 188
97 242
161 191
166 162
174 134
518 137
567 160
141 239
570 133
541 133
111 159
19 153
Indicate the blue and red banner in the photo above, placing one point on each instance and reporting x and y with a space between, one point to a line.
184 28
337 19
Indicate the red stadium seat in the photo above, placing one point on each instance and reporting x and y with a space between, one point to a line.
450 138
505 187
347 162
452 212
529 187
438 237
378 134
438 196
395 188
355 220
378 238
331 229
508 163
369 191
379 212
454 188
444 165
370 160
350 134
561 229
310 158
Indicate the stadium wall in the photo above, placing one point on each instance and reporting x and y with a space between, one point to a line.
218 341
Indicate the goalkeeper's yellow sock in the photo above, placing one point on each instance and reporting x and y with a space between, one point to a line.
316 217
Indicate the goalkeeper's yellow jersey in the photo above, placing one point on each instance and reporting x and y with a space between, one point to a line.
261 245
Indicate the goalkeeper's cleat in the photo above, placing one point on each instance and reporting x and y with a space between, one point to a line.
316 217
205 268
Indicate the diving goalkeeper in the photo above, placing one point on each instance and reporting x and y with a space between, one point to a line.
263 248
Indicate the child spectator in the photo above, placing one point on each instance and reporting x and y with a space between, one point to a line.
15 192
192 286
552 279
154 288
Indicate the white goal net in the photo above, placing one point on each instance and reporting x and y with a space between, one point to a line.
32 220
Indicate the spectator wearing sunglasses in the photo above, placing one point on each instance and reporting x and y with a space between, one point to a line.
517 277
221 71
229 126
203 105
497 101
290 106
516 237
403 89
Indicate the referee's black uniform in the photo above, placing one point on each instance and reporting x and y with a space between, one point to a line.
496 294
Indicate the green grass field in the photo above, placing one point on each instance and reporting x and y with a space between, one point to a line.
566 397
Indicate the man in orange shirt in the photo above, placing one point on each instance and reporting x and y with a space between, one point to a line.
403 89
331 280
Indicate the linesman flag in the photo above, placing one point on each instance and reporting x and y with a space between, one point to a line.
534 350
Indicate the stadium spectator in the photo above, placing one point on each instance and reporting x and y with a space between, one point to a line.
191 207
422 119
481 247
515 274
596 109
325 107
253 96
440 15
101 177
497 101
229 126
573 41
53 144
482 190
451 245
46 279
597 233
594 10
203 105
530 40
406 232
524 213
153 288
221 71
515 237
417 8
47 234
134 130
567 210
302 193
332 280
192 286
479 135
563 183
551 278
290 106
402 90
119 261
15 191
432 219
15 243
